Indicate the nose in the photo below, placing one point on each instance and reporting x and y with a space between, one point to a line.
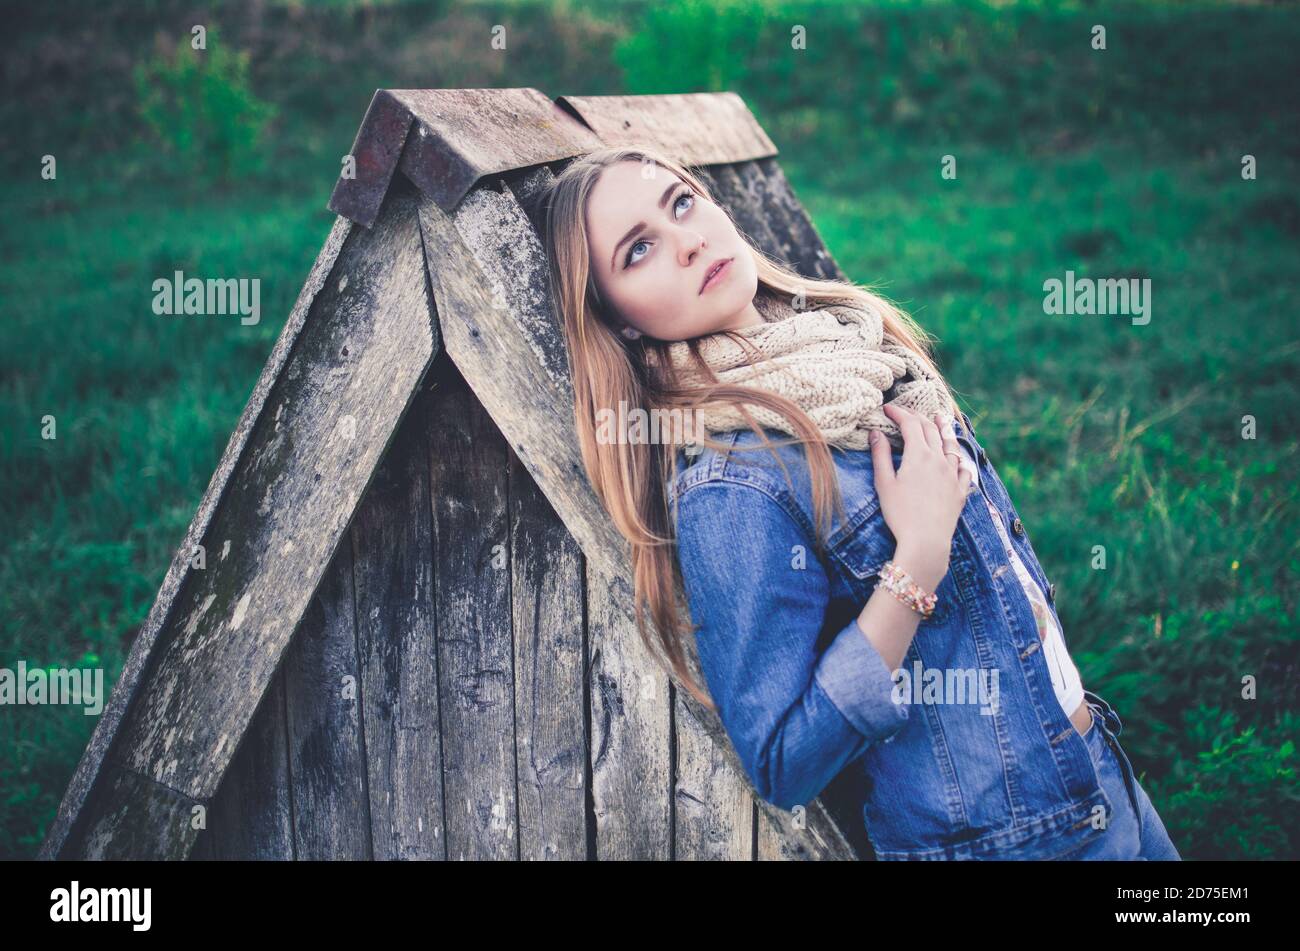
691 246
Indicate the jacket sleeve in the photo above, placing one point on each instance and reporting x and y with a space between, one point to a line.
795 718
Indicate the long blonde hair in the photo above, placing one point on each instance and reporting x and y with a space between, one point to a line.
632 478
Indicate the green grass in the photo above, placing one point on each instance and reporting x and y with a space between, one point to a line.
1107 434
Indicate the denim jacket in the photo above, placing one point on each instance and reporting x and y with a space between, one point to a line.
803 694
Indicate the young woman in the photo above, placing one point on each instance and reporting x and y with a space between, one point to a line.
911 633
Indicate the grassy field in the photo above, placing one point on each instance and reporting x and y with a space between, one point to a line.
1123 162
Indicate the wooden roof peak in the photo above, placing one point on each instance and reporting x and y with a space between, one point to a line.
446 140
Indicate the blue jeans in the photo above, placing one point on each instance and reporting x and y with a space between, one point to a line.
1135 831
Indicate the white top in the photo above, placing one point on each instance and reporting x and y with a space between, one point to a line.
1065 676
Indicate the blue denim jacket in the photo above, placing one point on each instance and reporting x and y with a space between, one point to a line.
803 694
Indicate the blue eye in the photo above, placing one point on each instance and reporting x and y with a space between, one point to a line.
627 260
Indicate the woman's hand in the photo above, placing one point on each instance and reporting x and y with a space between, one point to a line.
923 499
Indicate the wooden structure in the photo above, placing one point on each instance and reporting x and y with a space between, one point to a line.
410 634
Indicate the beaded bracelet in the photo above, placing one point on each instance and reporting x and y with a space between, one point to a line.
899 583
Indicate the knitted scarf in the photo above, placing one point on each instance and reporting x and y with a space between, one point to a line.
835 361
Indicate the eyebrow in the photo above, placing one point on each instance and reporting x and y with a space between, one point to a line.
663 199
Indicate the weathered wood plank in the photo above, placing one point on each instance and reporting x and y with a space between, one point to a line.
488 271
495 305
754 180
546 595
769 843
251 815
631 736
323 699
320 420
810 256
471 557
203 850
130 812
531 187
392 539
713 810
698 128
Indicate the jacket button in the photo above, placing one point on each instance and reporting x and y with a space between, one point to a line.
1051 592
1017 527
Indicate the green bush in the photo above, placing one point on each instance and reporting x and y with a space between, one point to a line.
700 45
1233 799
200 106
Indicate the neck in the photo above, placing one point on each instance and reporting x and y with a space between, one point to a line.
748 317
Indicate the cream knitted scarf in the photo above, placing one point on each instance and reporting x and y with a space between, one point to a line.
835 361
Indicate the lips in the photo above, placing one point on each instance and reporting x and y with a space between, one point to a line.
714 269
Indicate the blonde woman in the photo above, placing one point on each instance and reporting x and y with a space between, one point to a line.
910 633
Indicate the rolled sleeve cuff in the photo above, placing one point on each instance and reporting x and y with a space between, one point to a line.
853 675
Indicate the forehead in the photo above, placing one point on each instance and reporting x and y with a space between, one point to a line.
624 195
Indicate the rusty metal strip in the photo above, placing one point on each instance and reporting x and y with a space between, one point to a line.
376 149
446 140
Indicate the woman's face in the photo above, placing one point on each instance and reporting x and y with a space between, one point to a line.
653 241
